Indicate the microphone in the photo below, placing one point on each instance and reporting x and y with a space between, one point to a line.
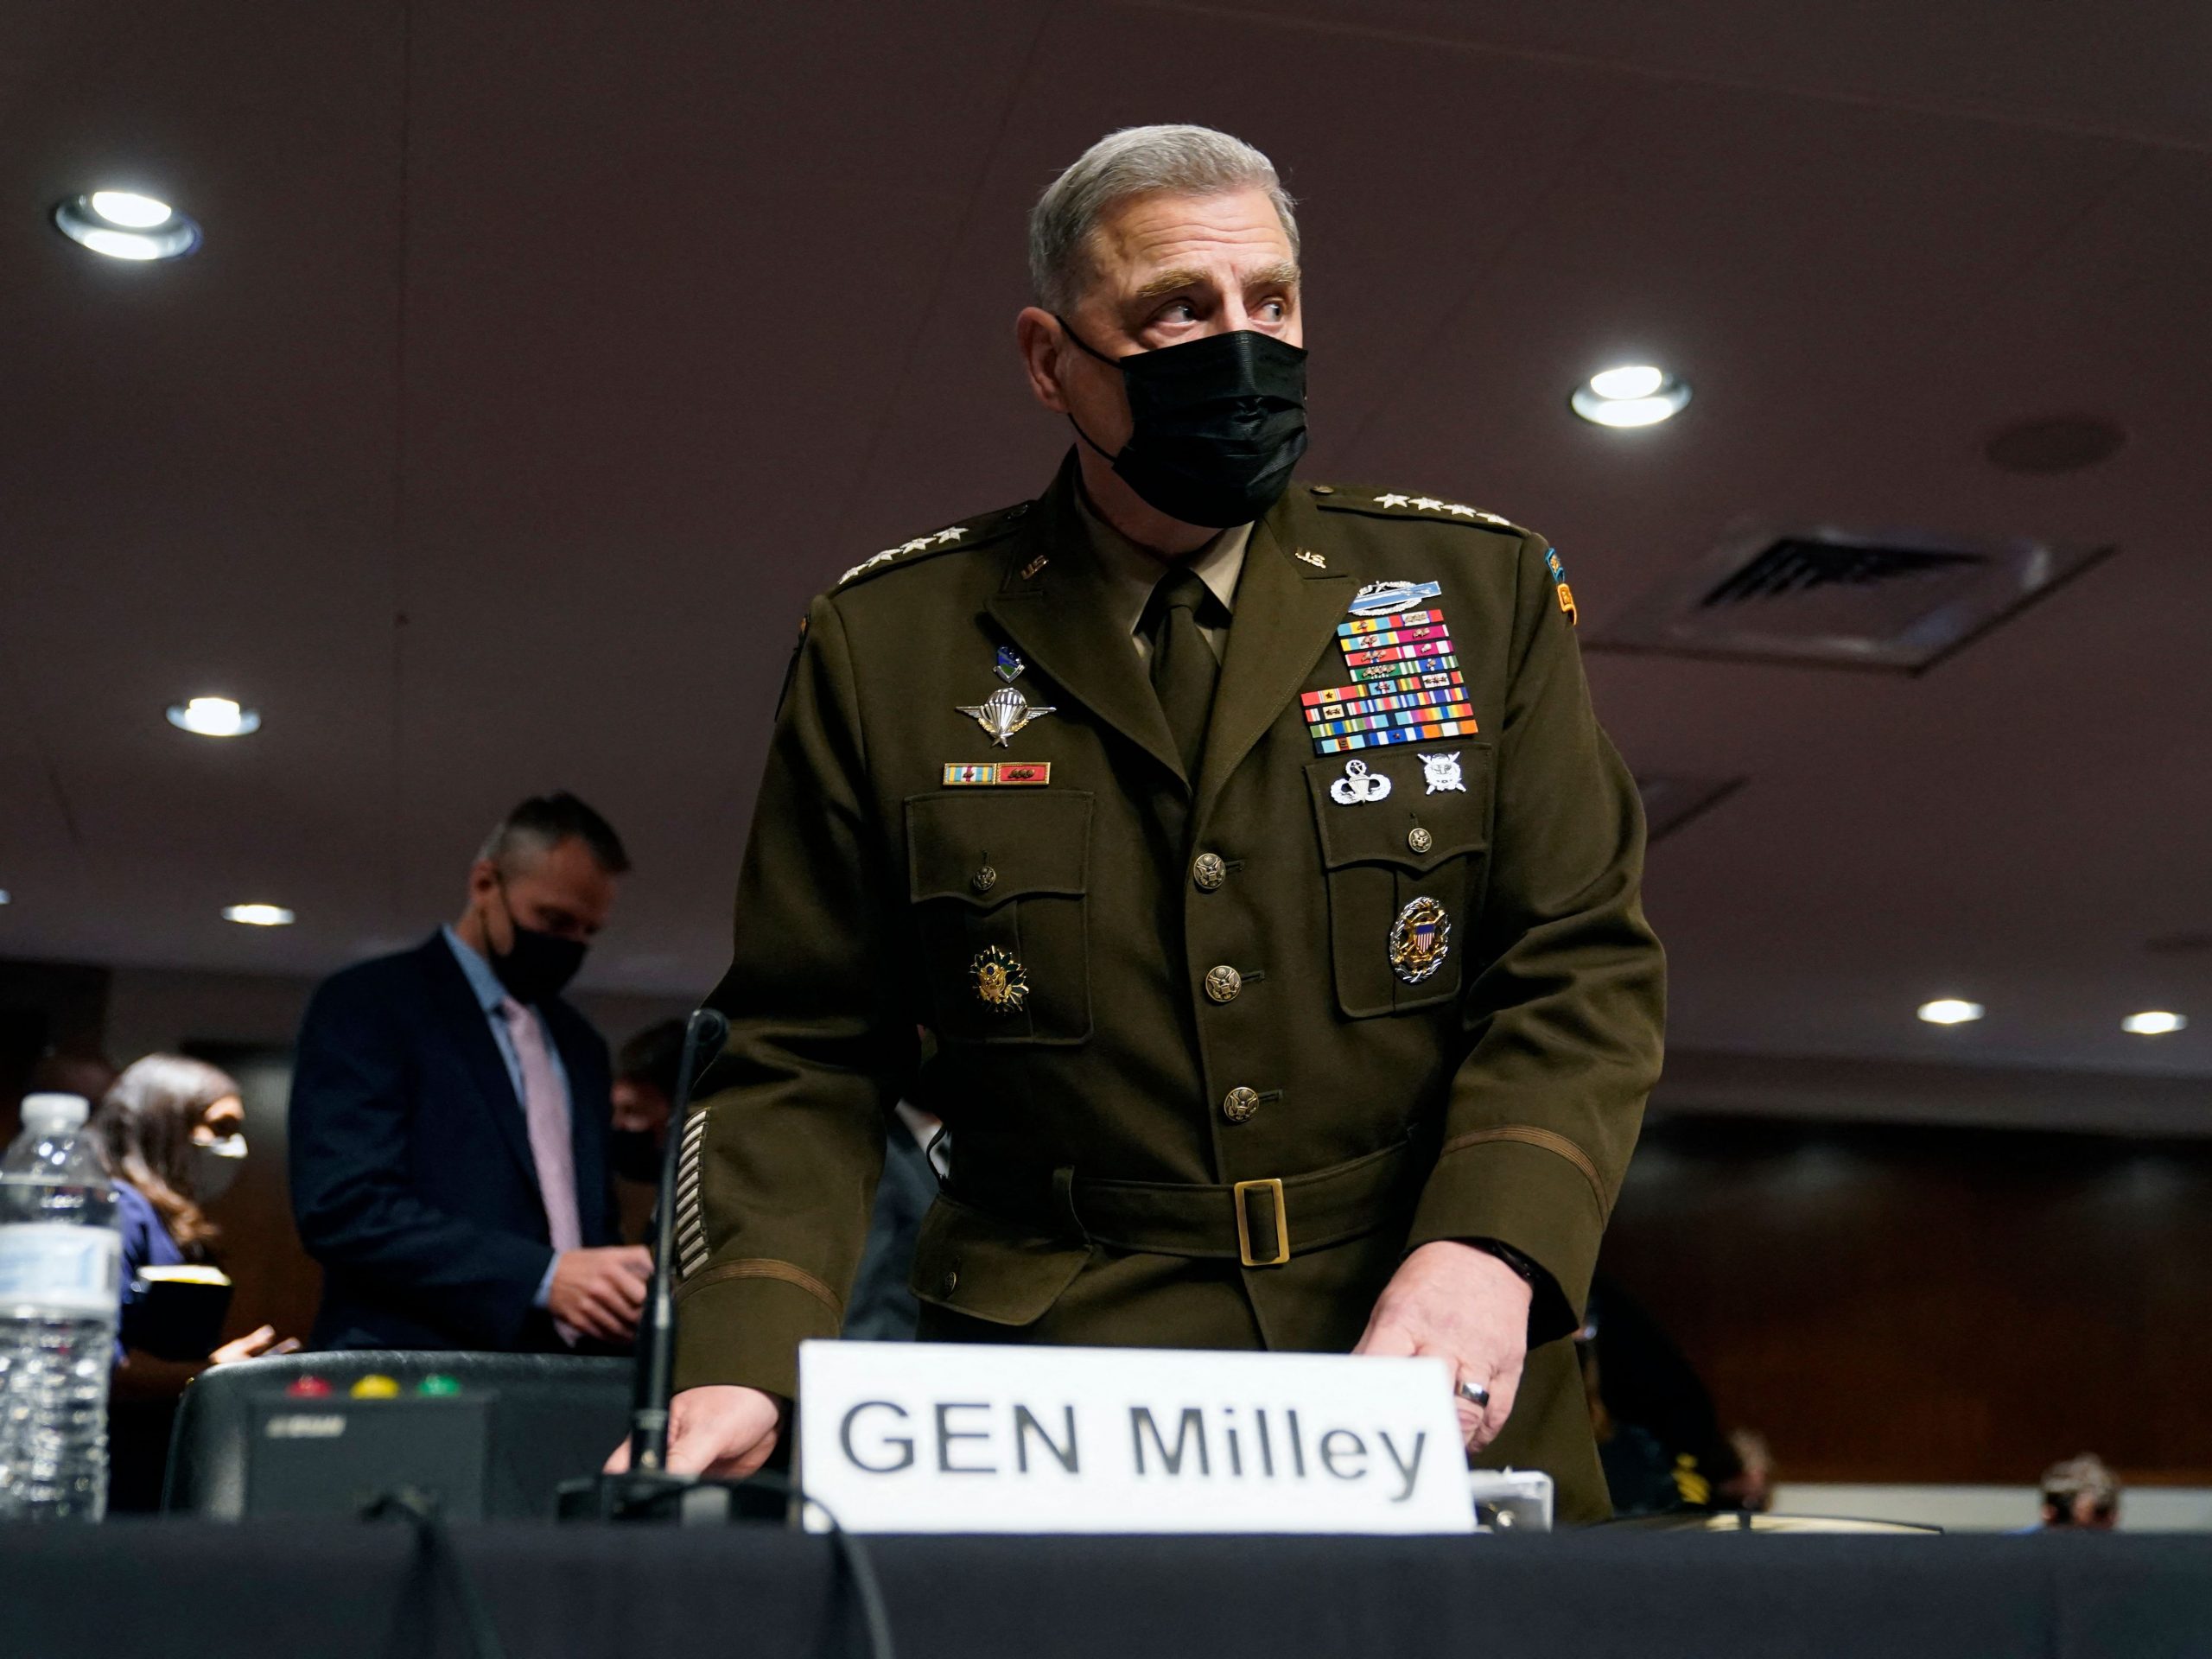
647 1491
703 1037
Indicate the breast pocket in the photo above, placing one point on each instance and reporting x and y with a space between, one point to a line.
999 888
1405 870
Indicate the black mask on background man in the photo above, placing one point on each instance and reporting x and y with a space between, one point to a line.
537 964
635 1154
1216 424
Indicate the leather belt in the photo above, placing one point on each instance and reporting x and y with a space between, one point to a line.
1260 1224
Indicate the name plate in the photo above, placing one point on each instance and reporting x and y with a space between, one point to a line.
927 1437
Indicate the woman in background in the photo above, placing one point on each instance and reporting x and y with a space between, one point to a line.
173 1130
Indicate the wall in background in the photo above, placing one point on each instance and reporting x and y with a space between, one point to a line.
44 1005
1912 1304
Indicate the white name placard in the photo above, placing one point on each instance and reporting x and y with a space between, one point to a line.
925 1437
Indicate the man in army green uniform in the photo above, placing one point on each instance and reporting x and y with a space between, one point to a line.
1252 854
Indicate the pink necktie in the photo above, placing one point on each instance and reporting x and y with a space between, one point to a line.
546 1111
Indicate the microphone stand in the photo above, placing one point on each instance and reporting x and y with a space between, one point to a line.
647 1491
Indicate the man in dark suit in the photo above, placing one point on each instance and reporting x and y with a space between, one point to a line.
449 1117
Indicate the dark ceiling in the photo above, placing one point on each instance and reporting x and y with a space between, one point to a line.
541 360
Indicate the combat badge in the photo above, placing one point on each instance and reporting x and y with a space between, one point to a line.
1420 940
1358 785
1004 713
1001 985
1382 598
1442 772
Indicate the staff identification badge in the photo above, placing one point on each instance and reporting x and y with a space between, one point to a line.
1000 985
1420 940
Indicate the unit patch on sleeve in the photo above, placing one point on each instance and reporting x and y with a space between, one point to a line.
1559 581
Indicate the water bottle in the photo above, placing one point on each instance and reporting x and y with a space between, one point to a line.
60 1285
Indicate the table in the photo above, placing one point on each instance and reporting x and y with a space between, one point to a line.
329 1590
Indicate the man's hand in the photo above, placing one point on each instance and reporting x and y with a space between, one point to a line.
253 1345
1467 1308
724 1432
602 1292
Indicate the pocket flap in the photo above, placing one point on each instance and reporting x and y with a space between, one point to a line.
984 847
1413 826
989 1269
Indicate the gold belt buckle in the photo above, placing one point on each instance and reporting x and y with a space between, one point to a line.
1244 1227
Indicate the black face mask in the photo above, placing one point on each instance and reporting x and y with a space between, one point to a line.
537 964
634 1154
1216 424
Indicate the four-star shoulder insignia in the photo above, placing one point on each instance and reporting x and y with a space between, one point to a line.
1398 505
975 532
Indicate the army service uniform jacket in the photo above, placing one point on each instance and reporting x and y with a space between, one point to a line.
1214 1052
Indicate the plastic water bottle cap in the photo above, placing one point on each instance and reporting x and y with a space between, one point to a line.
48 1112
377 1386
308 1387
438 1382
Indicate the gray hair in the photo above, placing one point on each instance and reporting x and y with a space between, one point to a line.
539 825
1135 161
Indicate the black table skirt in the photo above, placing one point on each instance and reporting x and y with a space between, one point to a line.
175 1590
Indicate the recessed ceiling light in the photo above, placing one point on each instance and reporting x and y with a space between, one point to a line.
2155 1022
258 915
215 717
1634 394
1950 1010
123 224
132 210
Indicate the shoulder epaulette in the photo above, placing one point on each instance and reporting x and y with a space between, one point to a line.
975 532
1390 503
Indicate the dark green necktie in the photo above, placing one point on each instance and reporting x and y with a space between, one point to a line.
1184 668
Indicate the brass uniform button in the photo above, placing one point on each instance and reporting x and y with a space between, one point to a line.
1208 871
1322 489
1419 839
1223 983
1240 1103
984 879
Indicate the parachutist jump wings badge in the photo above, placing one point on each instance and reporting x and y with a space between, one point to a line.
1004 713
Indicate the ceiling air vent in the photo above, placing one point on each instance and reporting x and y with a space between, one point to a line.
1840 599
